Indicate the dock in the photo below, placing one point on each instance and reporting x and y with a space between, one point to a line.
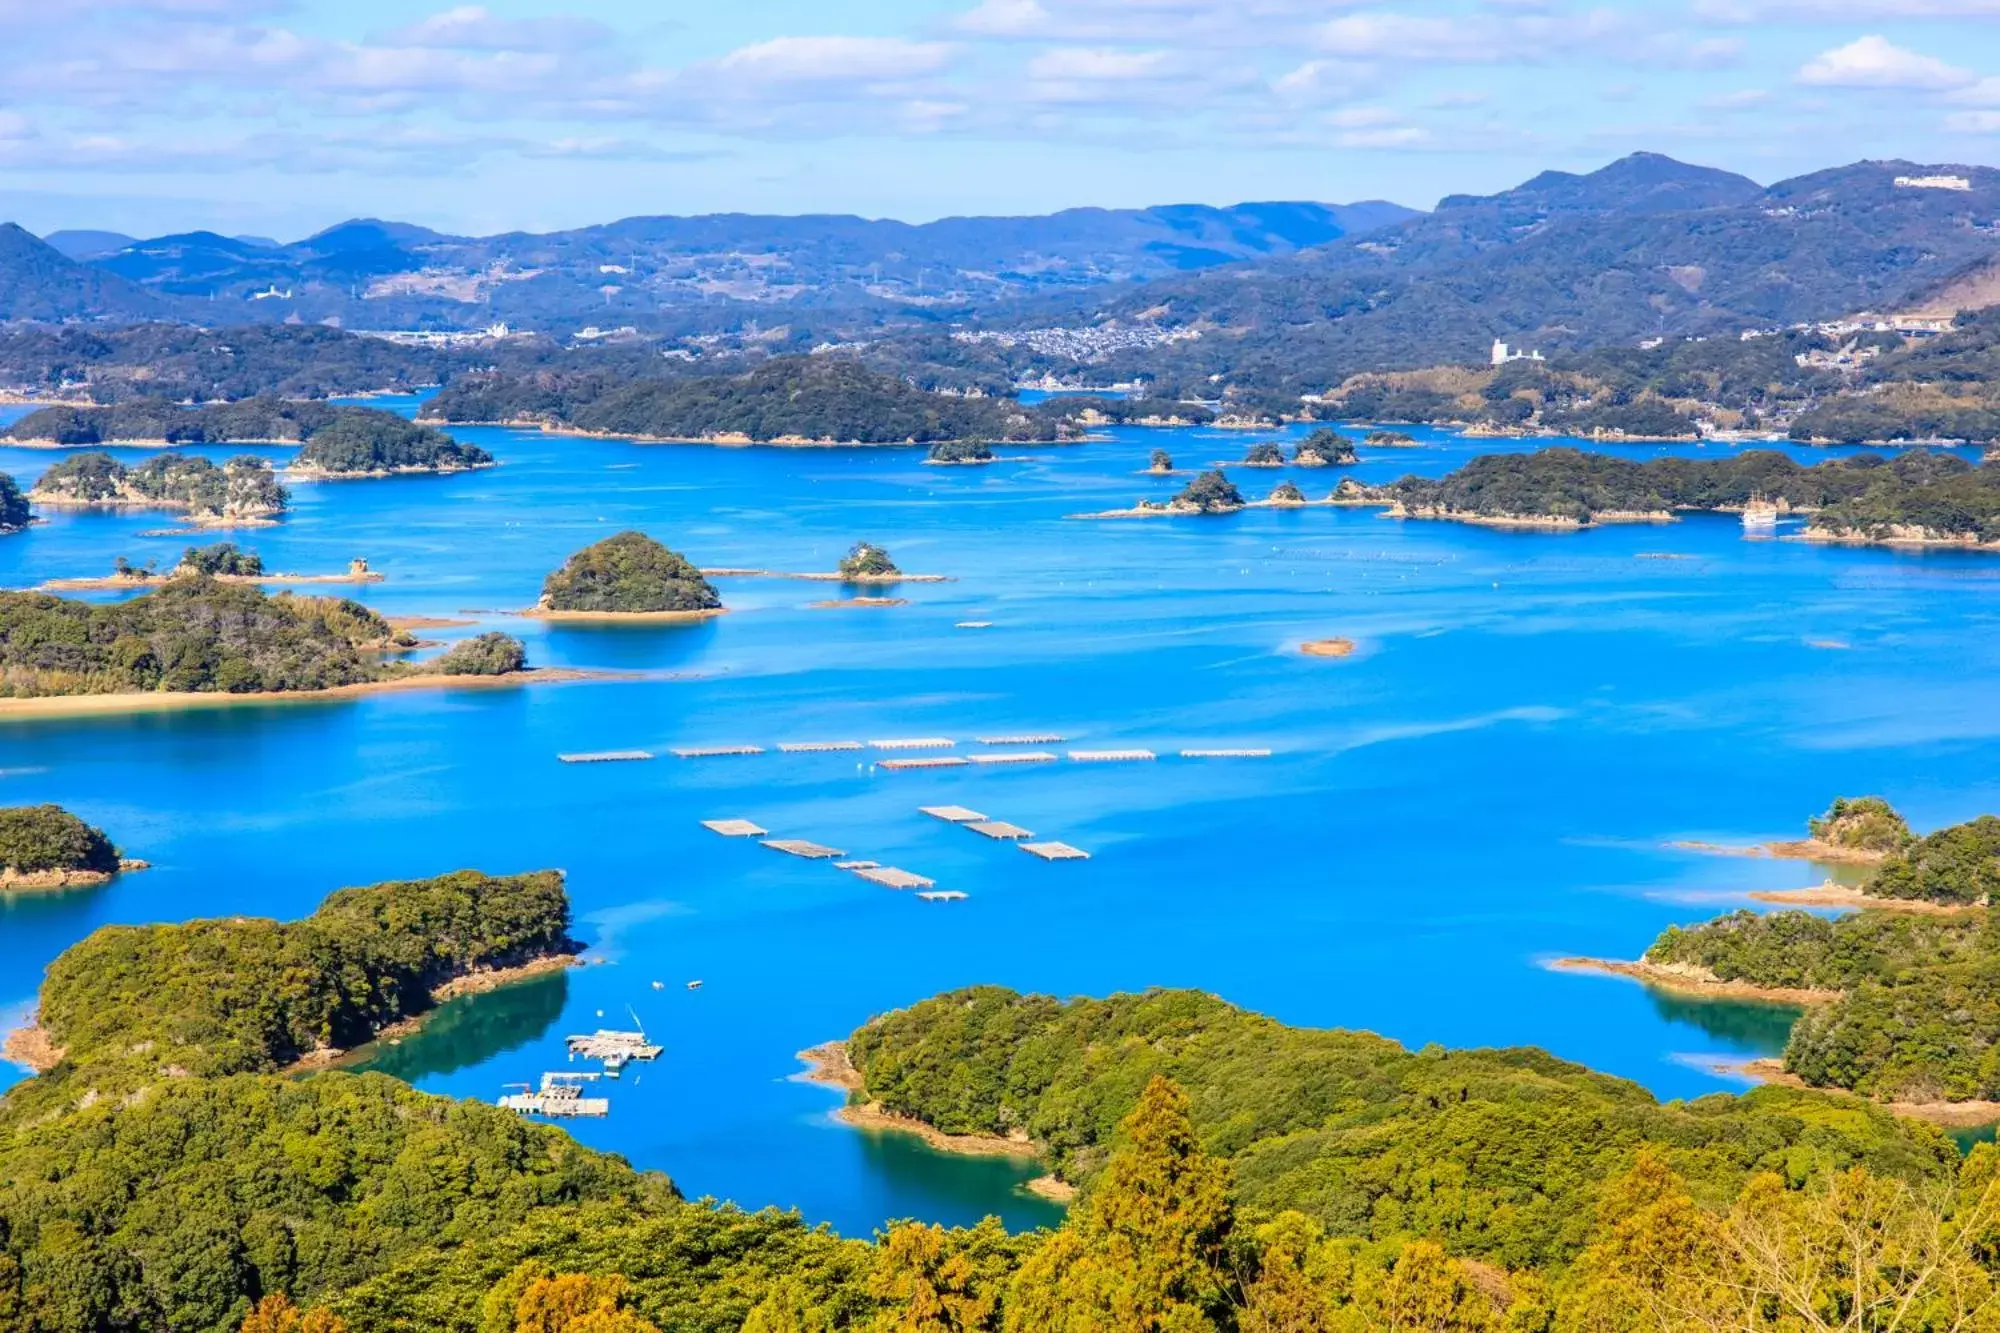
615 1049
1111 756
891 878
818 747
1000 830
734 828
1049 738
607 757
973 624
916 743
714 751
951 814
1055 851
944 896
855 865
1225 754
811 851
560 1096
940 761
1014 757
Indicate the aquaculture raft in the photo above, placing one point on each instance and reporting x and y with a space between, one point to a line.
1032 739
1055 851
1013 757
811 851
916 743
891 878
1225 754
951 814
606 757
943 896
1110 756
940 761
734 828
715 751
818 747
1000 830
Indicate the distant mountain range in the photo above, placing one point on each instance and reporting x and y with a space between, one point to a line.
370 273
1644 247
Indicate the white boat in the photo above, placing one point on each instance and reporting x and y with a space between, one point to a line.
1760 515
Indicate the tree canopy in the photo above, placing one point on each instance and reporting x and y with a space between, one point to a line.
628 573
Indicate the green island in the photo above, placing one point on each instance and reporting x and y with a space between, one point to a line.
47 847
960 451
1286 493
1211 492
1265 453
166 1169
1324 447
218 560
866 562
14 512
1900 998
1391 439
197 635
242 491
365 443
629 574
1160 462
787 400
1915 498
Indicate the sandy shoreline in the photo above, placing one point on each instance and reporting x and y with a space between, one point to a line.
115 582
833 577
262 518
1952 1115
732 440
1690 981
113 705
1831 894
56 881
1803 849
1328 648
857 601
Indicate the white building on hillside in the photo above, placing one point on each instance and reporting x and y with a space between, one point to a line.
1933 183
1502 354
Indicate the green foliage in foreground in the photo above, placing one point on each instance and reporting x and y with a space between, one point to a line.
37 838
247 995
1496 1153
14 512
628 572
193 634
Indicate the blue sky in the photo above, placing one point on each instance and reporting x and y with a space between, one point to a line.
281 116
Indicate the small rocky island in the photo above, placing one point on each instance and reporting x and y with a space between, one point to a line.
1265 454
629 576
15 515
1211 492
47 847
947 453
382 444
1325 447
866 562
1286 495
199 636
222 560
1161 464
243 491
1391 439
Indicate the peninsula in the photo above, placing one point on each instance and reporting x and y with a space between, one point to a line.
242 492
196 638
627 577
223 561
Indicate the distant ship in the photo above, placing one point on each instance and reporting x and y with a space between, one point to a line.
1760 515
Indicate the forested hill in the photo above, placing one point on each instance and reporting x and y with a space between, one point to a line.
1644 247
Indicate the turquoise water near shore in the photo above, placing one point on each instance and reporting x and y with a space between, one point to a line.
1489 783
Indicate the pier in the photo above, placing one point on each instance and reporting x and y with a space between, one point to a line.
715 751
811 851
1055 851
734 828
607 757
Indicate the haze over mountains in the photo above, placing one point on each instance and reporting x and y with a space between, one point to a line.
1647 246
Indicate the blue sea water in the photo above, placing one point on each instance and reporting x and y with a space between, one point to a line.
1489 783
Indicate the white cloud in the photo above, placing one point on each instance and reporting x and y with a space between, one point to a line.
1006 18
828 59
1876 62
1098 64
475 28
1833 11
1741 100
1973 122
1322 81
